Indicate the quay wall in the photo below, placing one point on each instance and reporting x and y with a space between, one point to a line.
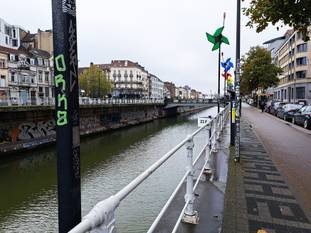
30 127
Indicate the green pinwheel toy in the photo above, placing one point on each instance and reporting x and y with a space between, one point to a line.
217 38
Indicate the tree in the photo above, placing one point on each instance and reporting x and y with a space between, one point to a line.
258 71
94 82
294 13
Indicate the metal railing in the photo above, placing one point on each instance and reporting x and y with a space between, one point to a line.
36 101
101 217
98 101
49 101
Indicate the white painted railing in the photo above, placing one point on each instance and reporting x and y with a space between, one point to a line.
48 101
101 217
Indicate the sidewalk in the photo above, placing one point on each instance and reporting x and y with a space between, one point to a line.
257 196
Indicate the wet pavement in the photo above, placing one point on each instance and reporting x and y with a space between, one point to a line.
290 150
259 196
209 200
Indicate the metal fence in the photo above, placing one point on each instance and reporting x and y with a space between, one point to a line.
49 101
101 217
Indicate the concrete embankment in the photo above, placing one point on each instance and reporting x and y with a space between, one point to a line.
31 127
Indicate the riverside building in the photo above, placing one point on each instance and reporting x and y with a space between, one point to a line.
293 55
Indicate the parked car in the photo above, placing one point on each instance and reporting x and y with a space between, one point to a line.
287 111
276 107
250 101
269 105
303 117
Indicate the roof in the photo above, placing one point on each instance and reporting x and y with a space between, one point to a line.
275 39
126 63
40 53
29 37
104 66
9 50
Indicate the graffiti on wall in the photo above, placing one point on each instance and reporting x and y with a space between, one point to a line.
26 131
30 130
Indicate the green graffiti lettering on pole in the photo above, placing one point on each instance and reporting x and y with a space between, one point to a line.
60 83
60 63
60 99
61 118
59 80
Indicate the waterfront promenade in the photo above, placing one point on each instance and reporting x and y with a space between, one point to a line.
270 188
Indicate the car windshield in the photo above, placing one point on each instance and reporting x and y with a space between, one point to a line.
307 109
293 106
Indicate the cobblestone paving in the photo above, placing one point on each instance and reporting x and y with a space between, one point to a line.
257 197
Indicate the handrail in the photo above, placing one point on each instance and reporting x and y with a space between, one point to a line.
102 215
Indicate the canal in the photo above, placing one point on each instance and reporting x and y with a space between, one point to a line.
28 197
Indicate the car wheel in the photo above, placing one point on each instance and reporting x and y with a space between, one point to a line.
293 120
306 124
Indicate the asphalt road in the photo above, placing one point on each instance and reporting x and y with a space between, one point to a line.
290 149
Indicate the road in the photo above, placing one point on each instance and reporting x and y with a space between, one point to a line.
290 149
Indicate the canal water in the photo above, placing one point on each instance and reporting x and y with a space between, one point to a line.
28 196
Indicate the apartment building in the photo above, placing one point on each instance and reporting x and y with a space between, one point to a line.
130 79
293 55
10 35
171 88
156 87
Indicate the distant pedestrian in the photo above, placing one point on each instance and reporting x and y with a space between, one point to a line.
262 105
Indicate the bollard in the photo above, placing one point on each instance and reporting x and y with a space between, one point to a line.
190 215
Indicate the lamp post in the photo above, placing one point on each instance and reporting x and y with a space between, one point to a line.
237 82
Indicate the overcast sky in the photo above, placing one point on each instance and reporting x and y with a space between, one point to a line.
167 37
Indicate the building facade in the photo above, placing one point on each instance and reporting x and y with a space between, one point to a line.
10 35
293 55
130 80
171 88
156 87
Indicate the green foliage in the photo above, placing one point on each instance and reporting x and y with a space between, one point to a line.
94 82
294 13
258 71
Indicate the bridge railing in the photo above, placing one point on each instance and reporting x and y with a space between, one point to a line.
101 217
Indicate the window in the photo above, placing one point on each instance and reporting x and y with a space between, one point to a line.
2 81
301 61
47 92
300 92
6 40
40 62
40 76
302 48
40 89
46 76
14 43
14 33
2 63
12 77
301 74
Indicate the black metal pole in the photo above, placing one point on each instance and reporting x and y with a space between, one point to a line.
219 59
237 82
67 113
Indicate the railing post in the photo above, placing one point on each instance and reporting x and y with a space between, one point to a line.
190 215
208 149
